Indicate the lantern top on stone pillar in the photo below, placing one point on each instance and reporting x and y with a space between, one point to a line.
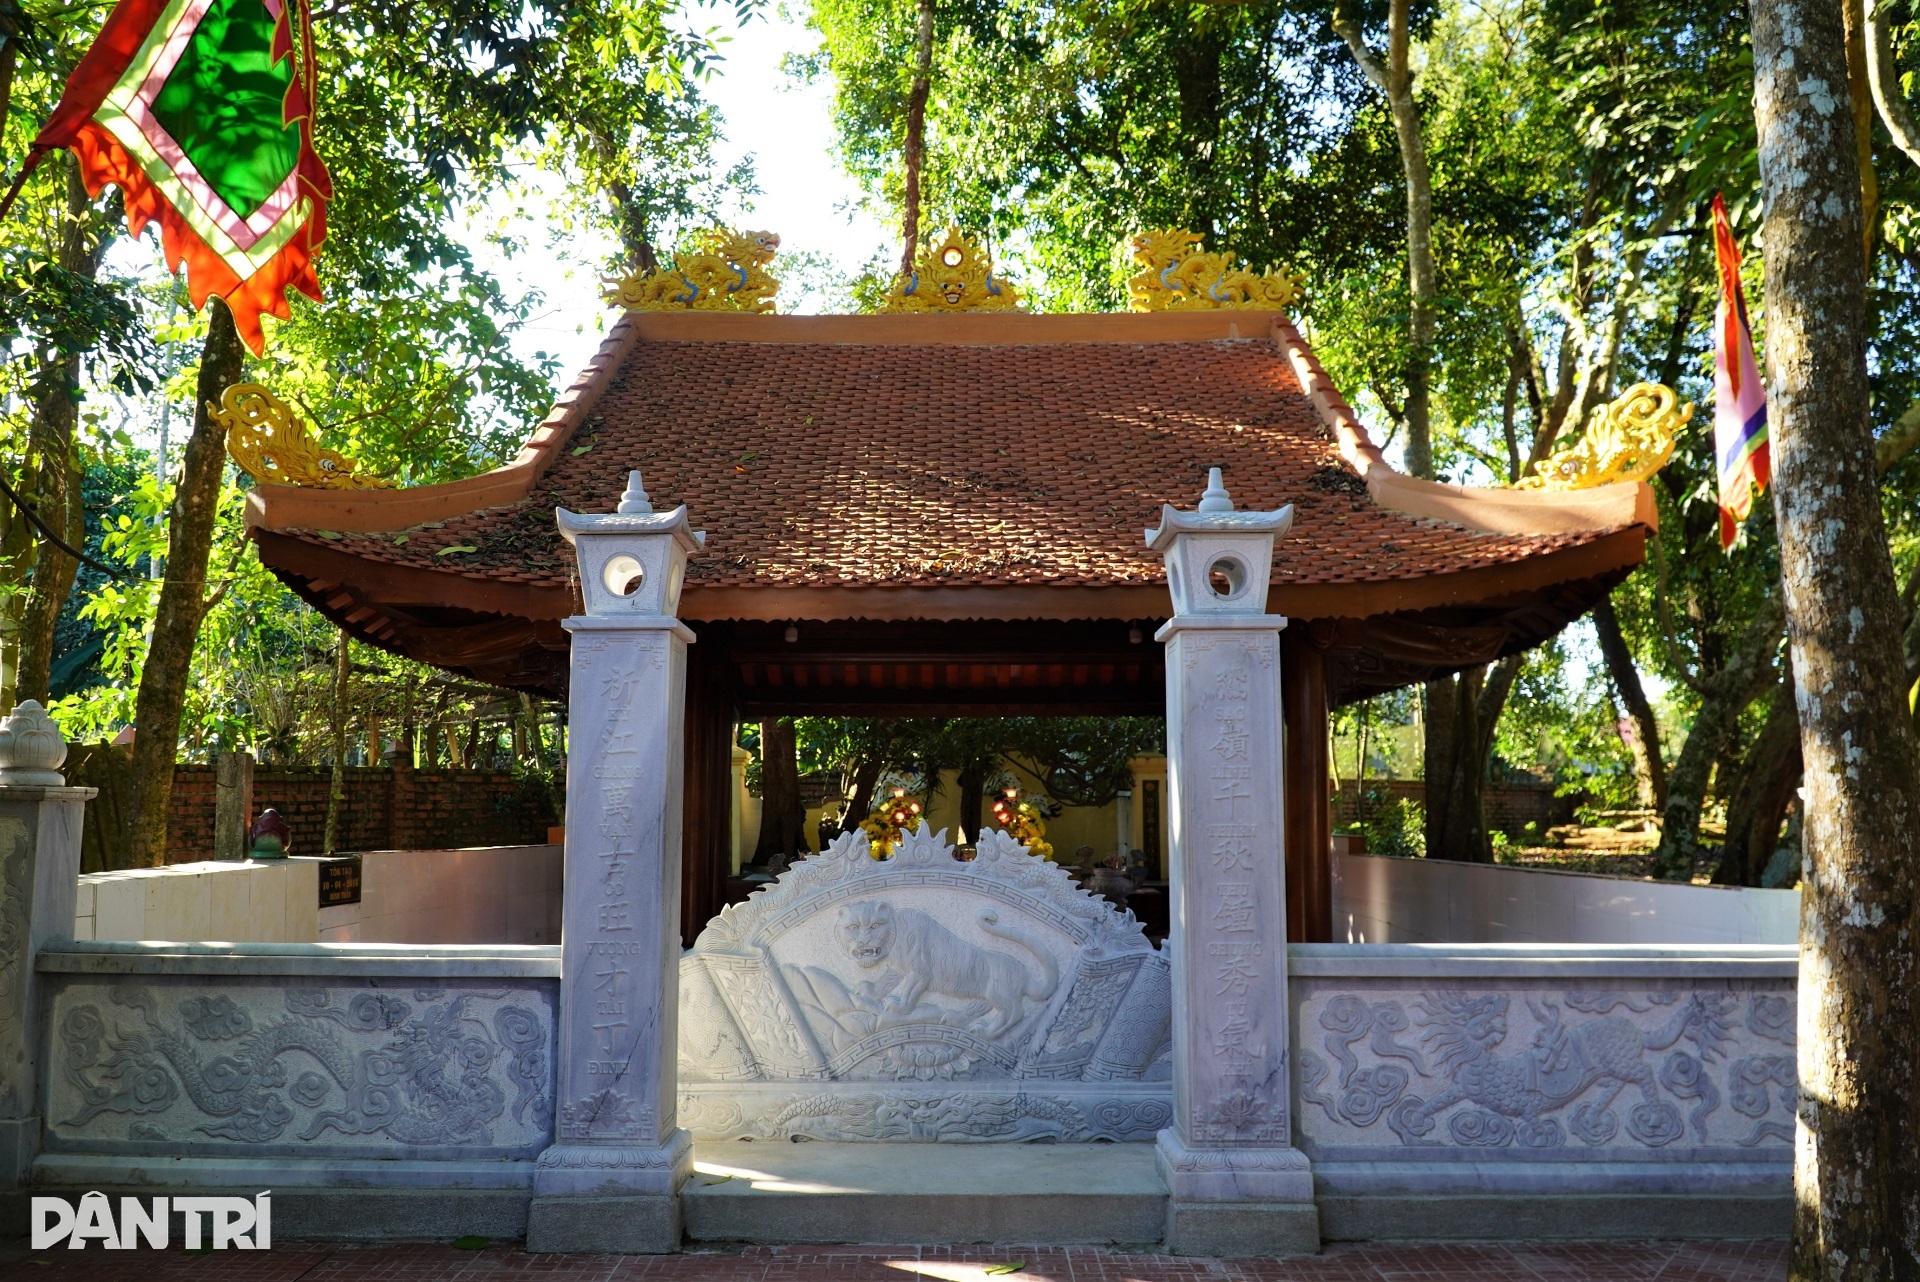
634 561
31 748
1219 561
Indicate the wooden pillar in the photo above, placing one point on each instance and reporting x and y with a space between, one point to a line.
1309 820
706 841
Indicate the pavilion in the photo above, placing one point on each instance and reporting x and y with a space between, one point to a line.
943 515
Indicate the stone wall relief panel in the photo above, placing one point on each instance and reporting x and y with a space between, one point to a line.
1622 1072
312 1068
977 977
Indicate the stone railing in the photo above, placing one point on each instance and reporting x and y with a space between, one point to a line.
1434 1083
297 1064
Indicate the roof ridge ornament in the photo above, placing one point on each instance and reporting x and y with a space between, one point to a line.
716 270
955 275
1179 276
1630 439
269 441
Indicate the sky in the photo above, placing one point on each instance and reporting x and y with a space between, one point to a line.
783 126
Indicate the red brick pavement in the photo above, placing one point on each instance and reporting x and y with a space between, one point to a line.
1342 1262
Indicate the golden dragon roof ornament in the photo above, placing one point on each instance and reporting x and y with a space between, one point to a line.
716 270
274 445
1179 276
955 275
1628 440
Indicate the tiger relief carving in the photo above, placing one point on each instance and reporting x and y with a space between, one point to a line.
912 958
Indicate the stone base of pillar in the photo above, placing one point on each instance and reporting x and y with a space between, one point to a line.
19 1145
614 1171
602 1197
1240 1173
1234 1230
641 1224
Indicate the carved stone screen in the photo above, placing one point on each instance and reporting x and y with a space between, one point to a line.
924 998
310 1067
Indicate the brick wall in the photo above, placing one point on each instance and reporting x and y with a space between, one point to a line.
1510 806
386 809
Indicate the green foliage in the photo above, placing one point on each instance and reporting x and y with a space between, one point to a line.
1393 825
408 364
1082 761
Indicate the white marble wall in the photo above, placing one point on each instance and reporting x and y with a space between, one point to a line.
1379 899
243 903
479 895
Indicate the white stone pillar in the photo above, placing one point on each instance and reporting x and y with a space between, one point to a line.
1237 1186
40 822
611 1181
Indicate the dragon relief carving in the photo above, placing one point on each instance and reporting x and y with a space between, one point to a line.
1567 1080
428 1073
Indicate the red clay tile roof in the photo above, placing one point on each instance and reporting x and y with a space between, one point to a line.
894 463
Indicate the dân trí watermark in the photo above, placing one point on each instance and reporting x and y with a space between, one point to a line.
222 1223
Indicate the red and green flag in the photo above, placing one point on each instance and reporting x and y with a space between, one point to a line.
201 111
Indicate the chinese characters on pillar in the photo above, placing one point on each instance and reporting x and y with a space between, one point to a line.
611 946
1236 808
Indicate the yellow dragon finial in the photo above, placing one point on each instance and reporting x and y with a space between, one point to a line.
273 444
717 270
1179 276
1628 440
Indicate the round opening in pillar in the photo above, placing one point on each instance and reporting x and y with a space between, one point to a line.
623 575
1226 577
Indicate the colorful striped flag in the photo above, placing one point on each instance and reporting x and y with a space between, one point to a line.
1739 398
201 111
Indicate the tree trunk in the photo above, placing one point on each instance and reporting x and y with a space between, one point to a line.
1649 768
183 596
1856 1183
1395 80
1884 77
1456 767
783 819
9 59
1194 64
866 777
1860 97
916 149
337 744
55 489
1724 696
1711 732
972 783
1758 807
